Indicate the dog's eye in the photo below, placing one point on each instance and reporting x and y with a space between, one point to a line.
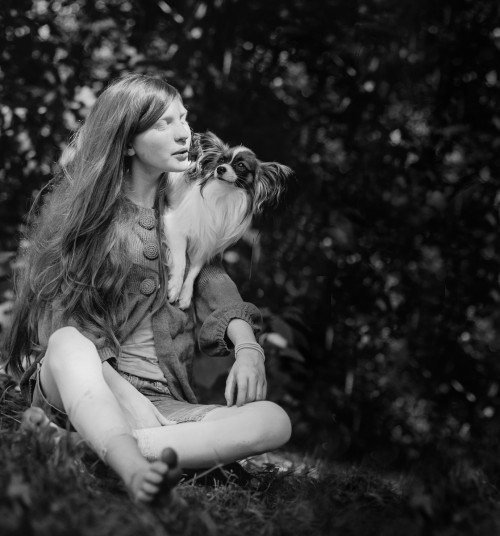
241 165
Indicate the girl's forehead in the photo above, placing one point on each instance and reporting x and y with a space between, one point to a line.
174 109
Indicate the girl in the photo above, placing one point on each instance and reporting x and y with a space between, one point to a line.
94 337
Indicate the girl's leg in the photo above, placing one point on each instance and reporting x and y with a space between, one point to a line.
224 435
138 410
72 379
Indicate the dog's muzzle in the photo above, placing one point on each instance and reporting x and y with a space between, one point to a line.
225 173
220 170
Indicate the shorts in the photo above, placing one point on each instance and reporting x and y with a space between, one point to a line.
39 400
178 411
171 408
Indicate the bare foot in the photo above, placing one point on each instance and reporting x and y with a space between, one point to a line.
155 477
34 419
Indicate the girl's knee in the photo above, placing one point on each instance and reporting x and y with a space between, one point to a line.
280 422
272 425
64 343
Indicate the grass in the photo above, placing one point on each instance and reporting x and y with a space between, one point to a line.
62 491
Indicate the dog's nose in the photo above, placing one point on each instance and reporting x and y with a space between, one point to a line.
220 170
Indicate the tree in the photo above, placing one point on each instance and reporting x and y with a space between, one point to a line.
381 267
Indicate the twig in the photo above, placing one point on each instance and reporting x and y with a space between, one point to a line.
10 417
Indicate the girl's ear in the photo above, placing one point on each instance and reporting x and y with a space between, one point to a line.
130 151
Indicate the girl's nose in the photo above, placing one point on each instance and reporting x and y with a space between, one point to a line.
182 133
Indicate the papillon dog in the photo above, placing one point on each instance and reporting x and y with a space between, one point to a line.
211 205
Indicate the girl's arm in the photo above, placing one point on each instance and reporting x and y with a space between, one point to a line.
247 378
217 303
226 321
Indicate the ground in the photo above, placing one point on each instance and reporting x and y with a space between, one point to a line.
48 489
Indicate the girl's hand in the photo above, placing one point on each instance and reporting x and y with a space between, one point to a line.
247 378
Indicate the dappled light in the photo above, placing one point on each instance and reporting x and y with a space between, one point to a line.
378 274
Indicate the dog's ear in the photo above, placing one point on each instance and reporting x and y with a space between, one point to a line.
271 183
209 142
195 147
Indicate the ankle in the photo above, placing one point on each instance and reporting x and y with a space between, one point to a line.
122 454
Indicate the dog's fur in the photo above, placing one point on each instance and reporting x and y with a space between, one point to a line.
211 205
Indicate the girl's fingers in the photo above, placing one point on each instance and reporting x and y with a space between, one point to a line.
229 392
260 391
251 391
242 392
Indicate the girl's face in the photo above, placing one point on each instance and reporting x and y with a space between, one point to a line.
164 146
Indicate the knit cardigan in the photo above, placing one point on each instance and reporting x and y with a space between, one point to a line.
216 302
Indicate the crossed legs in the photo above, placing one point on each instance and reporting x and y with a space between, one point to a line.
224 435
126 431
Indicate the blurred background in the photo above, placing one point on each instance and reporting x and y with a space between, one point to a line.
378 276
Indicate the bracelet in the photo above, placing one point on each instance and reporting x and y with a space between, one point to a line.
252 346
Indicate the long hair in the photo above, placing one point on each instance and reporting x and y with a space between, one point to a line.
75 258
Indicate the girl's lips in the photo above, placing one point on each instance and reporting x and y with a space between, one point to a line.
181 155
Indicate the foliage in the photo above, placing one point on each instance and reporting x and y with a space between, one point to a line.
387 244
57 488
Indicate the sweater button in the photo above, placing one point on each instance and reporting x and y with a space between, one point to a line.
147 287
147 221
150 251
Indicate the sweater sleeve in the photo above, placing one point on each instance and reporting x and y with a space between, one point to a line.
217 302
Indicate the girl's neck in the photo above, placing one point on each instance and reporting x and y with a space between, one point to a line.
141 190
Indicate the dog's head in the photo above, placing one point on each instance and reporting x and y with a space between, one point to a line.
238 166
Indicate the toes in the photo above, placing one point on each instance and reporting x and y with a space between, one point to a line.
169 456
157 473
173 477
34 418
149 489
143 497
160 476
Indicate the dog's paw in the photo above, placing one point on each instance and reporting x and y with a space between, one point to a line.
185 297
184 303
174 289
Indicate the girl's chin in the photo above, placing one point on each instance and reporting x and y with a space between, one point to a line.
179 166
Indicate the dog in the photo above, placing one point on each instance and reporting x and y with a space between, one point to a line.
211 205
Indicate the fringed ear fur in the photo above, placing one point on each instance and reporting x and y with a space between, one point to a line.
209 142
195 147
271 183
211 149
205 150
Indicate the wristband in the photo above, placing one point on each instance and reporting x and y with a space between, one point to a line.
251 346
